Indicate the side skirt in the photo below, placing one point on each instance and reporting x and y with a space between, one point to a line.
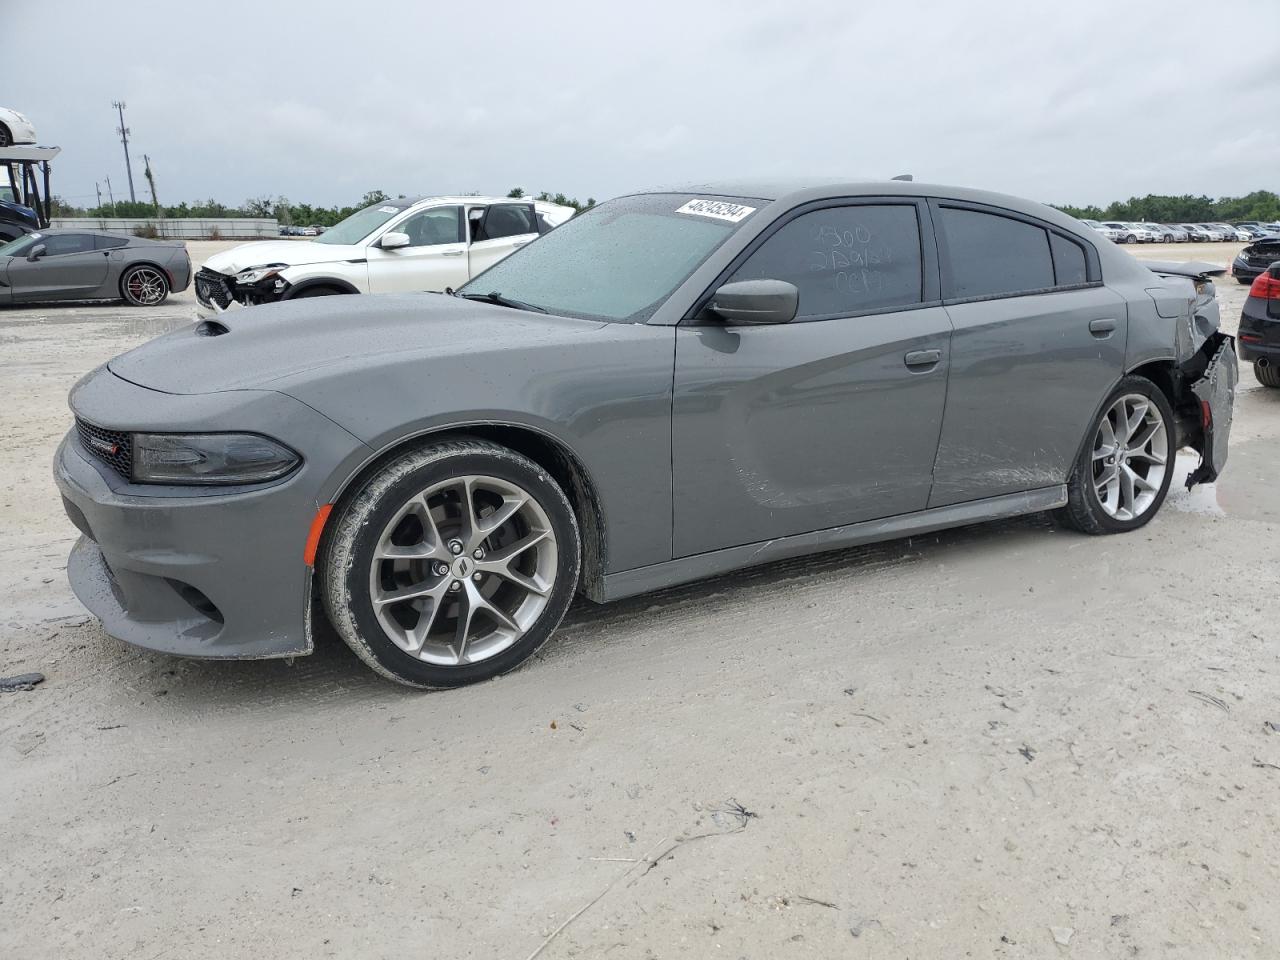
659 575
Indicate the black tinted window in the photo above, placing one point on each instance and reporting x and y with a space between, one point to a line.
110 243
844 260
433 226
992 255
59 243
1068 261
507 220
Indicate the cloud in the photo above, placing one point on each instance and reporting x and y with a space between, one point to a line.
1082 102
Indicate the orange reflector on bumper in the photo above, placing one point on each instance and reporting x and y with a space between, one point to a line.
313 537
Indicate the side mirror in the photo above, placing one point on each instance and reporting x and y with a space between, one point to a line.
756 301
390 241
36 252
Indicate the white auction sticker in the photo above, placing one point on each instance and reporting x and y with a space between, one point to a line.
388 209
719 209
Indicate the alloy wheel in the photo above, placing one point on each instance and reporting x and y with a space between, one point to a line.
463 570
146 286
1130 457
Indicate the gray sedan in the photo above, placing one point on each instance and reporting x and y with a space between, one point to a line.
92 265
671 386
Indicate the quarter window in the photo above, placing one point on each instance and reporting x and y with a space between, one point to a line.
844 260
109 243
1068 261
432 226
994 256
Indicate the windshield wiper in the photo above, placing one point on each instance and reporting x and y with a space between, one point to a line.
500 300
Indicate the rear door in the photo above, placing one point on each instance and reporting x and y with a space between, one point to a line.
497 230
71 267
827 420
1038 343
436 257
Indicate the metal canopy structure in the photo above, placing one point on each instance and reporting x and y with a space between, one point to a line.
25 170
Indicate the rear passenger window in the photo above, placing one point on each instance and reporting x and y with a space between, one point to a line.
993 256
1068 261
507 220
844 260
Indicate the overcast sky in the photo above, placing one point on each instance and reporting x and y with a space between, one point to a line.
1080 102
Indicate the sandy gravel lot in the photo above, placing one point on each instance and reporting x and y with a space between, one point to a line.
944 747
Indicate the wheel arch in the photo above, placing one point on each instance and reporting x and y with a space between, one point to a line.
548 452
1161 372
311 283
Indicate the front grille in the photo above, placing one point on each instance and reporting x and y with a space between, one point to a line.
112 447
212 288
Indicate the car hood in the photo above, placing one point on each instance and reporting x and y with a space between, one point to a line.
293 252
276 344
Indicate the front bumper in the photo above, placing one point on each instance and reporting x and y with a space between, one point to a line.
196 572
218 293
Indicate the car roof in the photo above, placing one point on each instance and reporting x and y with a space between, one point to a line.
404 203
803 190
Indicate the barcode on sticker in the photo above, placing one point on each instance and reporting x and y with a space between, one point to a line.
719 209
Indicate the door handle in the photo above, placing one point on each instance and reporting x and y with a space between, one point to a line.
1102 328
922 358
453 253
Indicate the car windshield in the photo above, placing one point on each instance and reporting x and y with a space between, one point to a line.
359 225
618 261
19 247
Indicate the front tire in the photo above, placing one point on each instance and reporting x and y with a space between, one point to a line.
1123 473
1268 376
1131 238
144 286
451 565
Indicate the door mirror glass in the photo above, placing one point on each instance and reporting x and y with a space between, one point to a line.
38 251
756 301
390 241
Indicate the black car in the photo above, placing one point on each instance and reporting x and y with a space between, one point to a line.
1255 258
15 219
1259 334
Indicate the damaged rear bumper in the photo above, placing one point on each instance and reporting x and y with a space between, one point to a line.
1213 398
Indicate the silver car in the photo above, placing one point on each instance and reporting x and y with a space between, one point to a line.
673 385
92 265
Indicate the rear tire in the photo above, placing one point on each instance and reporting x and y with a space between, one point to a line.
1123 472
451 565
144 286
1268 376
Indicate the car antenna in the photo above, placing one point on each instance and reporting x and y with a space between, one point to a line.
903 176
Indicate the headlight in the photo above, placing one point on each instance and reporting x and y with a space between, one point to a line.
209 458
258 274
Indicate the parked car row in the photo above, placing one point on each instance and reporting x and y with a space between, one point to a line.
1119 231
290 230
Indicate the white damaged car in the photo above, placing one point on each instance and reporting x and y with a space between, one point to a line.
397 246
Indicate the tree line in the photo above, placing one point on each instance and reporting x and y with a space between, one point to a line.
1260 205
281 208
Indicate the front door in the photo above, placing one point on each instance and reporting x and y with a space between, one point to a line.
435 258
830 419
1038 343
69 268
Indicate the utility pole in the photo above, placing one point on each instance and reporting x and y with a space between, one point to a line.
112 197
151 181
98 190
124 139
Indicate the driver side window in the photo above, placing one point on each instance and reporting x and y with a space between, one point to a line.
56 244
844 260
433 226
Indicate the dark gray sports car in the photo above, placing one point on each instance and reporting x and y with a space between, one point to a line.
670 386
92 265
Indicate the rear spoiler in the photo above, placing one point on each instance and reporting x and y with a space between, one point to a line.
1195 269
